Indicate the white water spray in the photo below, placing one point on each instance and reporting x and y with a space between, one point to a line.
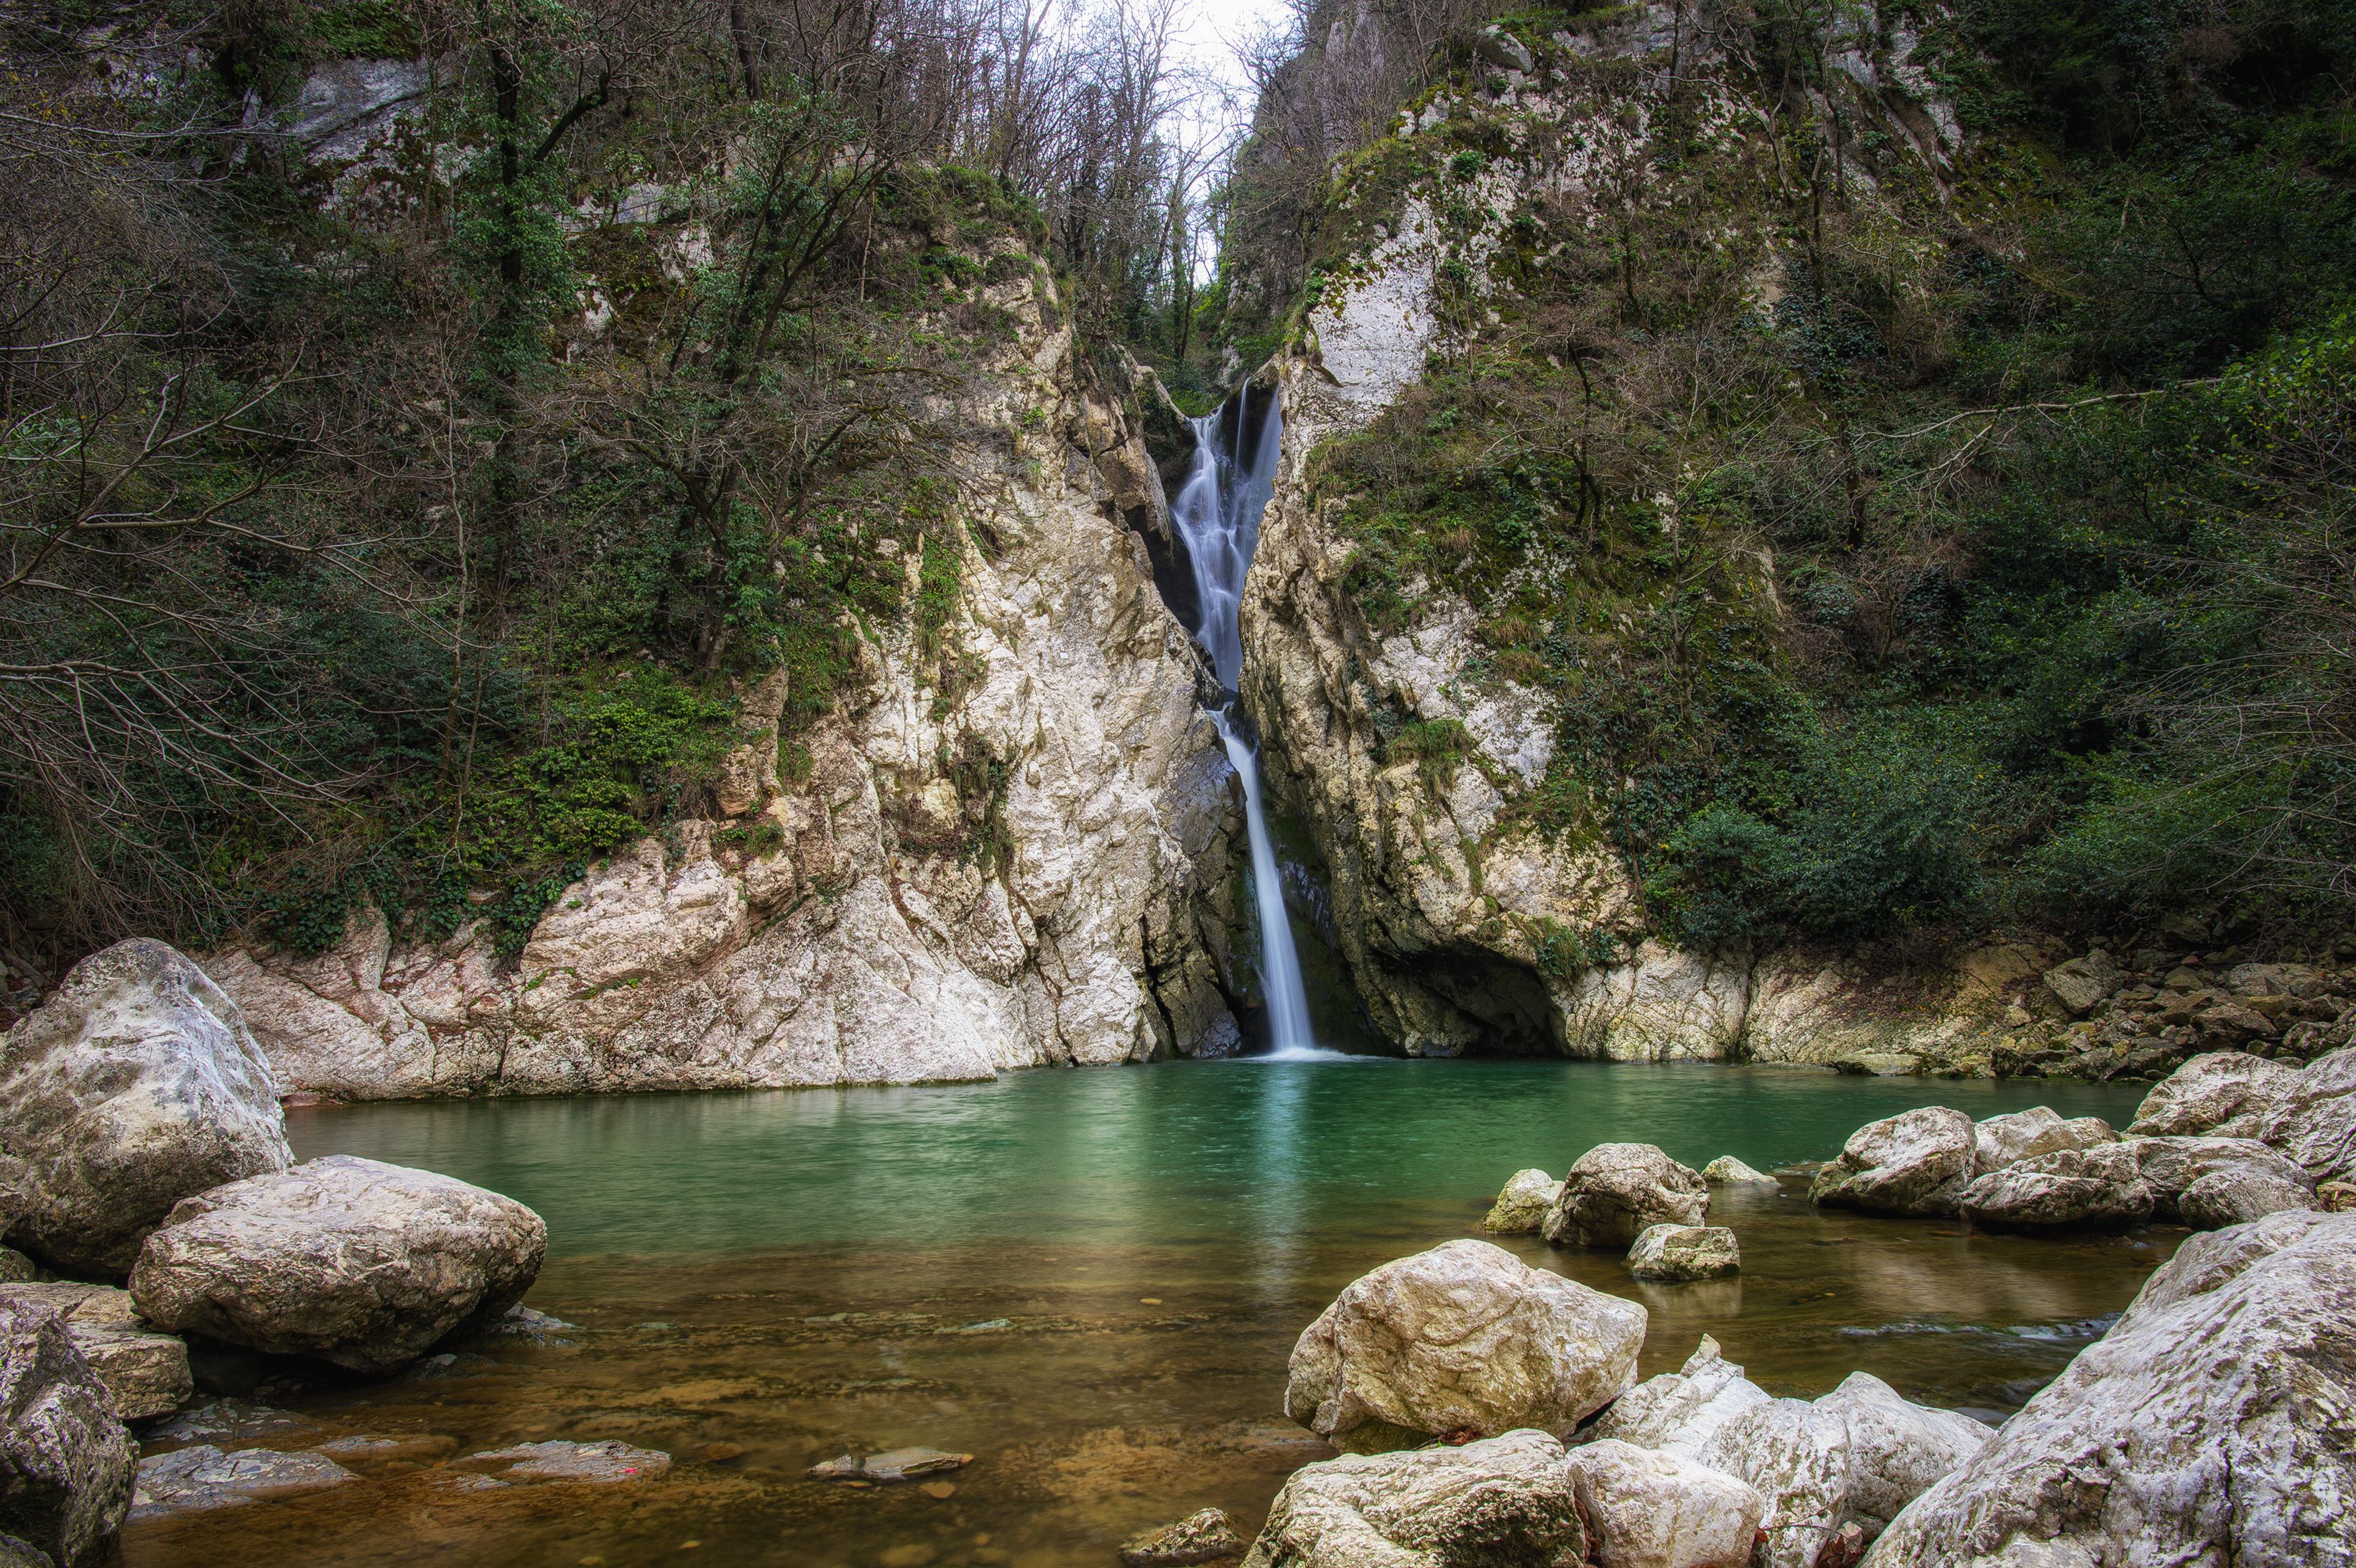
1217 512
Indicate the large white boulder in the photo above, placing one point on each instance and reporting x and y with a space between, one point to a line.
2224 1093
1463 1338
1503 1502
136 1085
2209 1426
351 1261
1916 1163
2313 1121
1897 1449
1677 1412
2001 1141
1614 1191
65 1458
1522 1206
2103 1185
1654 1510
1853 1457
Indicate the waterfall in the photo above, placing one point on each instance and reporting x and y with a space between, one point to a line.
1217 512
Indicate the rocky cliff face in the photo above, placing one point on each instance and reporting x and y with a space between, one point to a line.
1463 924
1008 851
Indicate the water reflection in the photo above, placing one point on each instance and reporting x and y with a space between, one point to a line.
1091 1280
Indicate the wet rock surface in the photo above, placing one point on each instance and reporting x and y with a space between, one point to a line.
65 1459
2208 1425
563 1460
1522 1205
1675 1252
351 1261
135 1085
1204 1536
192 1480
1917 1163
1616 1190
1464 1338
1652 1509
890 1465
1504 1502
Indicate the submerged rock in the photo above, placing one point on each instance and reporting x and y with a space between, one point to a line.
1203 1536
65 1459
1685 1253
893 1465
2210 1425
188 1480
135 1086
1522 1206
1917 1163
357 1262
565 1461
1615 1191
1727 1171
1463 1338
1655 1510
1503 1502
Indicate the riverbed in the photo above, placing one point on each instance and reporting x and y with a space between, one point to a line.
1089 1280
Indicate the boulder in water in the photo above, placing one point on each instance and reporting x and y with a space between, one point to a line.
1522 1206
2002 1141
2225 1094
188 1480
1672 1252
2173 1165
1677 1412
1652 1509
1464 1338
1727 1171
2313 1123
2238 1195
351 1261
1206 1535
558 1460
1502 1502
1916 1163
2066 1188
136 1085
2209 1425
65 1459
1615 1191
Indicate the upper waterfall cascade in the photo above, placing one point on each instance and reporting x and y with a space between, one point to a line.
1217 512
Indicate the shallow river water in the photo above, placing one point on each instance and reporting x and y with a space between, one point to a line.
1089 1280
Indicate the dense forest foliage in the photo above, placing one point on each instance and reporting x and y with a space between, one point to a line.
1907 548
403 530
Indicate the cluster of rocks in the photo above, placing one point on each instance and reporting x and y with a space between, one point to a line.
141 1135
1631 1197
1491 1414
2228 1138
2095 1018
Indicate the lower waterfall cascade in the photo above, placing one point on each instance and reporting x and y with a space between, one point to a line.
1216 512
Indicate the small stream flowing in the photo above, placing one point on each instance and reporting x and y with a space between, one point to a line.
1216 512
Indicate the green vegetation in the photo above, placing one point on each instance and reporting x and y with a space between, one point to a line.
1903 546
